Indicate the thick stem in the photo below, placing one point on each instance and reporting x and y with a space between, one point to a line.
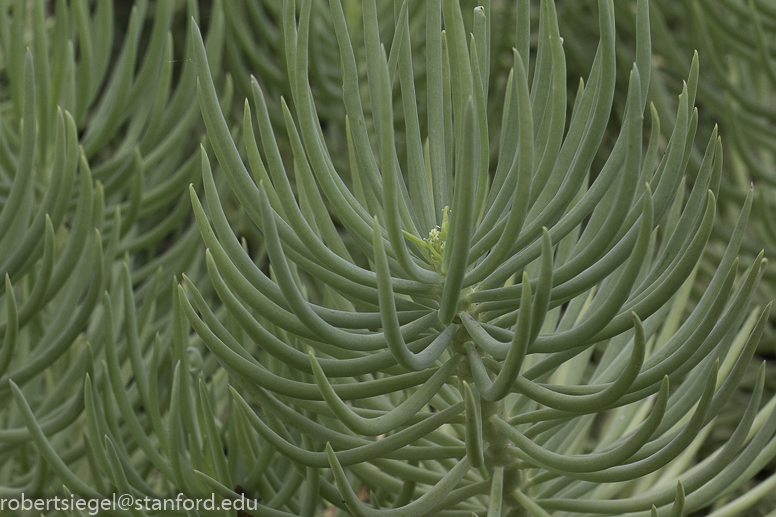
496 455
494 443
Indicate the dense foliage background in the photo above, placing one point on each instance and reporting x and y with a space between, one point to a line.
134 361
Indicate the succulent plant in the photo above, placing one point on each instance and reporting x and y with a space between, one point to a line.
449 284
735 88
733 39
97 146
443 335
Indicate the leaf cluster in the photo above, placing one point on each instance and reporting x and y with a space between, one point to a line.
413 273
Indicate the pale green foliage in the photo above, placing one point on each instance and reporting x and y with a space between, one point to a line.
735 84
470 306
516 367
97 147
738 84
